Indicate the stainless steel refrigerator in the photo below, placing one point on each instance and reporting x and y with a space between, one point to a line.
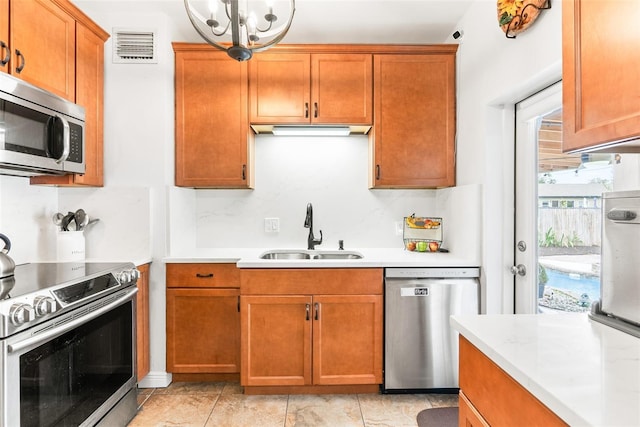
421 348
619 304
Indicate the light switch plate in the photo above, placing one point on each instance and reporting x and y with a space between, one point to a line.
272 225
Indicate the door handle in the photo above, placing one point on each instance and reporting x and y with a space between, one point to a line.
20 56
4 61
519 269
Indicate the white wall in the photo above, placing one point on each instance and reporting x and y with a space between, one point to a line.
26 218
493 74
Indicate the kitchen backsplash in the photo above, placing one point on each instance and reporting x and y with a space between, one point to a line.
330 173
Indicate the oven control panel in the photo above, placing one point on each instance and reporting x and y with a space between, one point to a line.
74 287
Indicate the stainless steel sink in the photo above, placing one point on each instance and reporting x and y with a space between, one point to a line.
309 255
285 255
337 255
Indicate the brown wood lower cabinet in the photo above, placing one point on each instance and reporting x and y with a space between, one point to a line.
142 322
203 323
310 328
489 396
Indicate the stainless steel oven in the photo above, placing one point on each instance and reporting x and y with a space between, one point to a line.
68 355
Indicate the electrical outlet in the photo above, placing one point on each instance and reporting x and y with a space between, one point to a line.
272 225
398 228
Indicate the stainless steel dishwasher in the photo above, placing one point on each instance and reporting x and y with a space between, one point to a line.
421 349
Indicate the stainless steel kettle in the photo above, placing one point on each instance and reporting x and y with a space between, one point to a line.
7 266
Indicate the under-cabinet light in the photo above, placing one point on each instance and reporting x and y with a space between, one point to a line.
311 130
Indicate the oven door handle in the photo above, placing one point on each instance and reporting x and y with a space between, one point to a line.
13 348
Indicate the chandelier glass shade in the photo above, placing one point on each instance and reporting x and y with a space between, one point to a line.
241 27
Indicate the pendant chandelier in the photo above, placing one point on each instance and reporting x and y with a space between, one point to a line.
234 26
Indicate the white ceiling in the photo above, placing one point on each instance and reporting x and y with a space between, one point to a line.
329 21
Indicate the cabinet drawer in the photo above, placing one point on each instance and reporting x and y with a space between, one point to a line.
307 281
205 275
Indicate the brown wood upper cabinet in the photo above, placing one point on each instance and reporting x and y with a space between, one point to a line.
601 94
62 51
39 39
415 120
213 138
316 88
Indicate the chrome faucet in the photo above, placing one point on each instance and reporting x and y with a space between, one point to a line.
308 223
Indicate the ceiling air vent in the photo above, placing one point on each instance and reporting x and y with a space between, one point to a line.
134 46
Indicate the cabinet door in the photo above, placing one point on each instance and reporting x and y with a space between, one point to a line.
347 339
5 50
414 130
142 322
342 88
212 128
280 88
45 36
600 72
203 331
276 340
89 94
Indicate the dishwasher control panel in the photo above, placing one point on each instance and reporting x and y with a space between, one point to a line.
432 272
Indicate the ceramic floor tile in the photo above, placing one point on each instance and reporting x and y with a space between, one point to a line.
232 388
440 400
393 410
238 410
324 410
208 388
163 410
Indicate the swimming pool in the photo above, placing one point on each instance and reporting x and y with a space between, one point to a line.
576 283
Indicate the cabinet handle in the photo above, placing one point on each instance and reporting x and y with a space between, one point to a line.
204 276
308 307
20 56
7 55
378 172
238 303
244 172
316 306
306 110
315 109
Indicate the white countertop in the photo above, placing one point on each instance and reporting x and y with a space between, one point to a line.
376 257
585 372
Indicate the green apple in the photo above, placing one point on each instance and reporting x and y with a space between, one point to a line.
421 246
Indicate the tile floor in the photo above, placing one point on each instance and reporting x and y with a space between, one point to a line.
223 404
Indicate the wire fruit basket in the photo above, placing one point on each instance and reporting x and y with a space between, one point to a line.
422 234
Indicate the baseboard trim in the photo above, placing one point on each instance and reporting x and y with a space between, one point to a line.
155 379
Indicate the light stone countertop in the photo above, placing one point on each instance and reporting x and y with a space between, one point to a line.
585 372
372 258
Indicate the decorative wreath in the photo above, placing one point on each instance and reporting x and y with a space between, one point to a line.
515 16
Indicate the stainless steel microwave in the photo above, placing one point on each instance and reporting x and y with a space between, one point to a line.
40 133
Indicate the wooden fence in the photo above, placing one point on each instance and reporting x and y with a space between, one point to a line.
583 223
